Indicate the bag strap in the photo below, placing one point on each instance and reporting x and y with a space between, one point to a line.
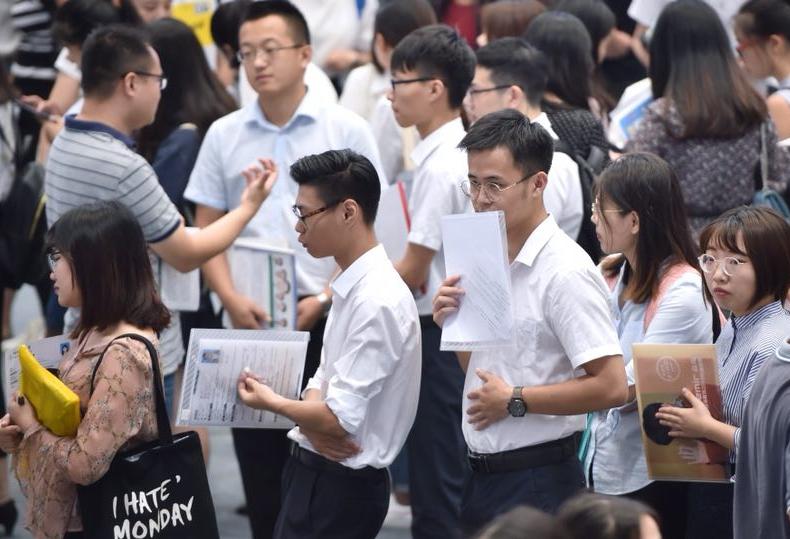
162 421
667 280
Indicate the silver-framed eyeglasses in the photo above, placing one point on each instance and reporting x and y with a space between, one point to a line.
492 190
52 259
596 209
729 264
251 53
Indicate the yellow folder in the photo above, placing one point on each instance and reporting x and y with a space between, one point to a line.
57 407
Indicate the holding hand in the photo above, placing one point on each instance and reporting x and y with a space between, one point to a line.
10 435
694 422
255 393
491 400
308 312
21 413
260 182
245 314
447 299
331 447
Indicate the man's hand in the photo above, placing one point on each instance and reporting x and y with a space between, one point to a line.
10 435
490 400
244 313
694 422
255 393
331 447
308 311
260 182
447 299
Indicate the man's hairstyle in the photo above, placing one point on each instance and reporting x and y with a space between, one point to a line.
766 239
340 175
296 22
513 61
108 54
396 19
76 19
529 144
225 24
438 51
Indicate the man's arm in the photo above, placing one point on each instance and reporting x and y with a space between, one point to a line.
415 264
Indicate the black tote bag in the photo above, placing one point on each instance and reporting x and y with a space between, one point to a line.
158 490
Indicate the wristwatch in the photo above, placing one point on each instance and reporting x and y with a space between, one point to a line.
516 406
325 301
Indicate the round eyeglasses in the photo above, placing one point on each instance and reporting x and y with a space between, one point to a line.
729 264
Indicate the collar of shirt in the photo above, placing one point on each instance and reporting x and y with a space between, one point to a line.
543 120
85 125
451 131
344 282
309 108
756 316
536 241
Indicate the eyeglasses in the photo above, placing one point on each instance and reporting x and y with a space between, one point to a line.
395 82
741 46
471 92
302 217
52 259
249 55
161 77
595 209
730 264
493 190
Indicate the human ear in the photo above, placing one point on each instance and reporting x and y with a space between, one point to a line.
634 223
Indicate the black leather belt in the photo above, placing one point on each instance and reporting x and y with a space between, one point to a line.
317 462
525 457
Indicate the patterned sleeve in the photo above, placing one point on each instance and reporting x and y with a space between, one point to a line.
778 164
650 134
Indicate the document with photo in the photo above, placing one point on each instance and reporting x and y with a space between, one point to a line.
662 371
393 221
47 351
216 357
475 247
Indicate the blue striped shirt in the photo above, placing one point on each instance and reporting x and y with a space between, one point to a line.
743 346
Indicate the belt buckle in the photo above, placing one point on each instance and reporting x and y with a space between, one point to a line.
479 463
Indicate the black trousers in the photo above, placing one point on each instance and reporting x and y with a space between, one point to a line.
322 504
262 454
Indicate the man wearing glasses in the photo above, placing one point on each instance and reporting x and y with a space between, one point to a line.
286 122
524 406
431 71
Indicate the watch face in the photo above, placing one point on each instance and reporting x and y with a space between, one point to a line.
516 408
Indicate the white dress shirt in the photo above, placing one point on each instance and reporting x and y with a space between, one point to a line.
615 458
363 88
563 195
436 191
562 321
237 140
369 374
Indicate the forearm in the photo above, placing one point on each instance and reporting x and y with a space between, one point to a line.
577 396
218 236
216 272
721 433
311 414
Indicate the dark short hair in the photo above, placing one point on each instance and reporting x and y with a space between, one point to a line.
529 144
513 61
595 15
598 516
766 239
108 54
508 18
764 18
395 19
438 51
104 245
225 22
566 43
296 22
340 175
524 521
76 19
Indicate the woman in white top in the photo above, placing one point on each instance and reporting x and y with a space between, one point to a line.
657 297
762 28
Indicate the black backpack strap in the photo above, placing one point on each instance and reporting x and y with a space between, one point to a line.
162 420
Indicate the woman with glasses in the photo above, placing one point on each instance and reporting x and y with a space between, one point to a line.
763 31
656 297
746 262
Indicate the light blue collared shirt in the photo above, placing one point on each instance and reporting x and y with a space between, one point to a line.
237 140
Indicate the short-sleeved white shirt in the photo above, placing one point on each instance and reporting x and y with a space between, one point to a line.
237 140
562 321
436 191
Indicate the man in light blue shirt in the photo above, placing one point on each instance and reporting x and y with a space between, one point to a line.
285 123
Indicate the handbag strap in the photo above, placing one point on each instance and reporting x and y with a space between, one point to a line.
162 421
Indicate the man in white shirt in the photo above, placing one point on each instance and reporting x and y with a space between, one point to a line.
286 122
431 71
511 73
525 405
359 406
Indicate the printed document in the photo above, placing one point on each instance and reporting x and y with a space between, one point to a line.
48 352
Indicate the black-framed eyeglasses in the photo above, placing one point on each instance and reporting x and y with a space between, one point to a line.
249 55
302 217
161 77
474 91
472 188
396 82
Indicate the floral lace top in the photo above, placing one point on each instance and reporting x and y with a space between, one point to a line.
120 414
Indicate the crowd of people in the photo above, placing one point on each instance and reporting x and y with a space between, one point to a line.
639 153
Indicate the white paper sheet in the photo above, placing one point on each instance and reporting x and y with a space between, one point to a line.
180 291
48 352
475 247
266 275
392 221
216 357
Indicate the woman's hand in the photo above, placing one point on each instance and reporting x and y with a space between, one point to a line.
447 299
489 400
22 413
10 435
694 422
